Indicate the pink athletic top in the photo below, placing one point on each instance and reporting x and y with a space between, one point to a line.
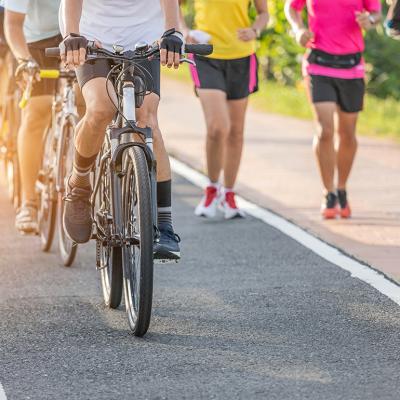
336 31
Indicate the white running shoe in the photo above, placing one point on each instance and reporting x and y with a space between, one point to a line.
209 203
229 207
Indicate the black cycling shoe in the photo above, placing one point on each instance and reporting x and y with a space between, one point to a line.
166 249
77 219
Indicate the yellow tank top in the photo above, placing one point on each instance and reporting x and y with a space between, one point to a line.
221 19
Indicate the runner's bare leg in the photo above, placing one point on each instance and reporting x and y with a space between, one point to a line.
347 148
216 113
234 141
324 148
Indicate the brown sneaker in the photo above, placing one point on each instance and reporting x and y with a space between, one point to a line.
78 213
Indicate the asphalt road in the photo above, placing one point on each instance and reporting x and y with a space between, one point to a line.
248 314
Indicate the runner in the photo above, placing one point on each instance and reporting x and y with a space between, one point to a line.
124 22
223 83
335 73
30 27
393 20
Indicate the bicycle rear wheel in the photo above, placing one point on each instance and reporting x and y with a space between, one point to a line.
46 188
65 158
139 235
109 258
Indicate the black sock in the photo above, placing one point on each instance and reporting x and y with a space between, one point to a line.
164 202
81 170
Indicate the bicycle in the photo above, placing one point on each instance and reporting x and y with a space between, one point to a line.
56 162
124 202
9 132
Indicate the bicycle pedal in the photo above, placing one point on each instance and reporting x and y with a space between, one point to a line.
163 261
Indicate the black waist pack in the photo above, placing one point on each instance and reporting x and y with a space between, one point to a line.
343 61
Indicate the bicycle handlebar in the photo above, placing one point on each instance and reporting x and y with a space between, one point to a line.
137 55
43 74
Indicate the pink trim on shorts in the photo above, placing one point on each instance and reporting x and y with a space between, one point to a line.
253 73
194 72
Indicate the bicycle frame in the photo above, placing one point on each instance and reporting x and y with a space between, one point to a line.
64 109
121 135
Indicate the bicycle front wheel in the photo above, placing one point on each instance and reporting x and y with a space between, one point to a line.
46 188
65 158
139 236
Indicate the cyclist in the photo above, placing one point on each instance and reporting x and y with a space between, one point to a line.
223 82
125 23
3 67
335 73
30 27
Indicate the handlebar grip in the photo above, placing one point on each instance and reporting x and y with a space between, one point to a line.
49 73
199 49
52 52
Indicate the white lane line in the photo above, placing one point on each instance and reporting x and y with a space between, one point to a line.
2 393
324 250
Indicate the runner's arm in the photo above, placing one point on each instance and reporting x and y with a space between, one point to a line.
262 18
371 16
295 18
14 31
394 6
393 20
253 32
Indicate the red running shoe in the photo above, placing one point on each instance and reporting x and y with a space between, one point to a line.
345 210
329 208
209 203
229 207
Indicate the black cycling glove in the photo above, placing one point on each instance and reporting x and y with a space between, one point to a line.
172 40
73 42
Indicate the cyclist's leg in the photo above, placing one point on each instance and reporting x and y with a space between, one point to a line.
168 246
234 141
89 137
90 131
35 119
347 146
147 115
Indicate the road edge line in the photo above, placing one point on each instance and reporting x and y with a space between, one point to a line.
2 393
326 251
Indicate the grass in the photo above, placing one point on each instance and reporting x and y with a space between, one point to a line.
381 117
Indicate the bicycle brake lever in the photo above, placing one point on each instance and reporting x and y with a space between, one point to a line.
186 60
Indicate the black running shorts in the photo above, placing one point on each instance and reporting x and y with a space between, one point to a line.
238 78
150 71
347 93
37 50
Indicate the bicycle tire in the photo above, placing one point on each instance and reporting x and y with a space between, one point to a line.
47 194
138 258
68 249
110 258
12 161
